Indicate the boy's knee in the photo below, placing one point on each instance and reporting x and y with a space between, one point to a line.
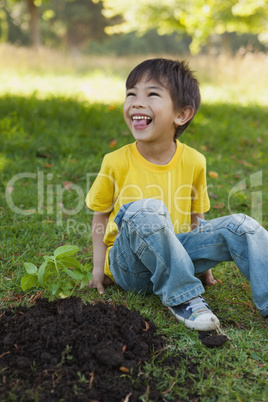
147 204
141 213
147 216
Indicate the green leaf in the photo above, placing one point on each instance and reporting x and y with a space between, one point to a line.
66 251
87 278
28 281
68 285
79 274
70 262
63 295
75 274
83 283
54 288
50 276
41 273
47 257
30 268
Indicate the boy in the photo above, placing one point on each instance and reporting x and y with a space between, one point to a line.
149 198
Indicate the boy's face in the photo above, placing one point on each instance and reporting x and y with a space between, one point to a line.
149 112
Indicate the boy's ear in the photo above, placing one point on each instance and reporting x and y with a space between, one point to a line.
184 115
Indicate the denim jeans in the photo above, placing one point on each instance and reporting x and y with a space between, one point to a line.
147 255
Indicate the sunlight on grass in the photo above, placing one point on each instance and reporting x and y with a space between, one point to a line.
231 94
97 87
239 79
101 79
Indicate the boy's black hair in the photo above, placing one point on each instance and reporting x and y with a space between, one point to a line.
176 76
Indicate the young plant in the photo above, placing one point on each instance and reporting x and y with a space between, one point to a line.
59 274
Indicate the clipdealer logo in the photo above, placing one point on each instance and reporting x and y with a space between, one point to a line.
50 196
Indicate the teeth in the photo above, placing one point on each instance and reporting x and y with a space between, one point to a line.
141 118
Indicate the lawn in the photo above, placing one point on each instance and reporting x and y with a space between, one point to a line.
58 117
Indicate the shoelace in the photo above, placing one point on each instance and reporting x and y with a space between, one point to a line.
197 304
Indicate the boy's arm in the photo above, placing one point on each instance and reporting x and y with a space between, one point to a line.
99 224
195 221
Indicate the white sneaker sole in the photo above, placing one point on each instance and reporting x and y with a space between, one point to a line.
205 322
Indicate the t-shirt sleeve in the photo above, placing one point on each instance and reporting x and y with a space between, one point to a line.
200 198
101 194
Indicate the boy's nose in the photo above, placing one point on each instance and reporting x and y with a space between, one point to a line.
138 104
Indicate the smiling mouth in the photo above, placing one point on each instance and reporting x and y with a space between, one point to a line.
141 121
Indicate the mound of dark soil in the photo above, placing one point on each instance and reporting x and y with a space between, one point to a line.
70 351
66 350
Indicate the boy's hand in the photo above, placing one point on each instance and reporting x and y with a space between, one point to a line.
98 280
100 221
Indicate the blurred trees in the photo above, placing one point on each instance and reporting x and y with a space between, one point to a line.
33 9
85 23
197 18
33 12
70 21
74 23
3 27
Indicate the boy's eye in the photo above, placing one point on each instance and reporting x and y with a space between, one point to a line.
130 94
153 94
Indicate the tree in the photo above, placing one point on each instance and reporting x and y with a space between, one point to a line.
3 26
33 7
197 18
13 19
75 22
35 36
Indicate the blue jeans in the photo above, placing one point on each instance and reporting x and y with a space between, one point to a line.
147 255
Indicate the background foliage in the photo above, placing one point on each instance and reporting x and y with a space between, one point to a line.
178 24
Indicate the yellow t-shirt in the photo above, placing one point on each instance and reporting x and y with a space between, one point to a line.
126 176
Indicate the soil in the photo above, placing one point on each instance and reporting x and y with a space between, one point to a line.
66 350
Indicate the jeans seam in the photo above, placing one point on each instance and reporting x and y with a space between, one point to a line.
141 247
264 308
161 259
234 255
138 274
144 244
205 246
204 230
119 255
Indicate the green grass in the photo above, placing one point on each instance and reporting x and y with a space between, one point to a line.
48 141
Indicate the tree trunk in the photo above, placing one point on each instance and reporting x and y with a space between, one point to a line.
35 37
226 43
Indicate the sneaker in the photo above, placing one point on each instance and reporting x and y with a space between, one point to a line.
196 314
